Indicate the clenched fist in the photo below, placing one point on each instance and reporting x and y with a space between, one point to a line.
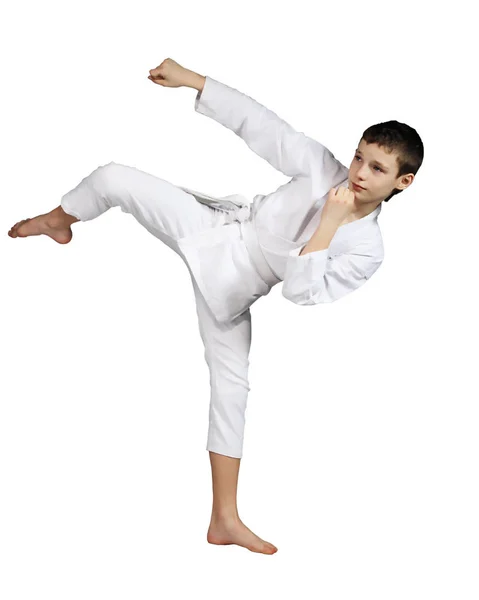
169 74
339 205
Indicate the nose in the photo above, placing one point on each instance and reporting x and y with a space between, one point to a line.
359 177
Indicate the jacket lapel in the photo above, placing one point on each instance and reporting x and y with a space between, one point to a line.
347 236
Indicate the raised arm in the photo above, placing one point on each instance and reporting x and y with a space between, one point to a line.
270 137
265 133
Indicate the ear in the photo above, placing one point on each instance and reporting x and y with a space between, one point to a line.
406 181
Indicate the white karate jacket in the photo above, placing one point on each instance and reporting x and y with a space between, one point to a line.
260 243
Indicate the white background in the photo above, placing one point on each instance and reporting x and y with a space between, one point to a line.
361 451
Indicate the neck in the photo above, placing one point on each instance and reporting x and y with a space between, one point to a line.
363 211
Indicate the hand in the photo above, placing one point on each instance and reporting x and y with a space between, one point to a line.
339 205
169 74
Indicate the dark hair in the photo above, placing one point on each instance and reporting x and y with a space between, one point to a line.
394 136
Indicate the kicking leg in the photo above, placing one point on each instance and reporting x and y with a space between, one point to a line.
165 210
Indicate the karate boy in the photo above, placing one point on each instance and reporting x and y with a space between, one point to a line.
318 234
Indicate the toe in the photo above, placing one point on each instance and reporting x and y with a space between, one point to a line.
18 229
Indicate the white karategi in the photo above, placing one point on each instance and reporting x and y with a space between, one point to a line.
236 251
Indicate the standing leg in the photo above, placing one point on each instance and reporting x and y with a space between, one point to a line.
227 348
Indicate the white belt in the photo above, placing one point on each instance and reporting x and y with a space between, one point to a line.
250 237
238 209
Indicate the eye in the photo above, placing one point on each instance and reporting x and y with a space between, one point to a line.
374 167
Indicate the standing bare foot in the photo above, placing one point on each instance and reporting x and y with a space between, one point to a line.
55 224
232 530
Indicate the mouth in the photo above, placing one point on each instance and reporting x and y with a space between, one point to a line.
358 187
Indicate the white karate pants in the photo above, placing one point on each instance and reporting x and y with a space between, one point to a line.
170 213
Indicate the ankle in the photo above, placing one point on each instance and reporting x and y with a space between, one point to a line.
59 218
223 514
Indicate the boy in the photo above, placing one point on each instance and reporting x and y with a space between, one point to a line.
321 241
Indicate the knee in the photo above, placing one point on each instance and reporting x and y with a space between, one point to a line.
106 178
231 378
107 171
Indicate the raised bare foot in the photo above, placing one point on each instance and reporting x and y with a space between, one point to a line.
50 224
234 531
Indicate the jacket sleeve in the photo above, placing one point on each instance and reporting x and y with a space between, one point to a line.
316 278
263 131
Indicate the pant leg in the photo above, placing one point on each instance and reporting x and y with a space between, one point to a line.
227 347
170 213
165 210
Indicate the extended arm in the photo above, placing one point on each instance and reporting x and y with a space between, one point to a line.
265 133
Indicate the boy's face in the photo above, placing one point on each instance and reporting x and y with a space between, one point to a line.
375 170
